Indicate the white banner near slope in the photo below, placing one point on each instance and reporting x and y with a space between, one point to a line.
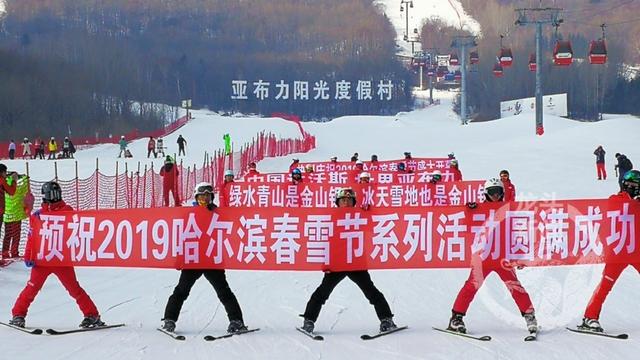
555 104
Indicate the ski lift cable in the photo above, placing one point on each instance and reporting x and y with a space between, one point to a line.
597 8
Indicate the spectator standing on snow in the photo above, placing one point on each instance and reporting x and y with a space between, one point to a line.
181 143
160 147
600 168
26 149
53 148
169 173
621 168
12 149
151 147
123 146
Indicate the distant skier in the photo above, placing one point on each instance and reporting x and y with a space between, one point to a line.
41 146
509 188
51 203
26 149
611 273
160 147
203 196
12 149
494 192
151 148
169 173
66 149
621 168
123 146
346 197
600 168
181 144
294 164
453 168
53 148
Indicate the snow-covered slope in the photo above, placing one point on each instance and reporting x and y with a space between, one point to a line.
449 11
2 8
560 162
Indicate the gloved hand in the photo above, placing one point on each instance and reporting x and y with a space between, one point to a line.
29 263
472 205
37 213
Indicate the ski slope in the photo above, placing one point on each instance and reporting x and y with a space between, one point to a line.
450 12
559 164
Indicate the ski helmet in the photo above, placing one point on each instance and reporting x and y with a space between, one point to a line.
631 183
401 166
454 162
51 192
203 188
296 171
451 155
364 175
437 175
346 193
493 186
229 172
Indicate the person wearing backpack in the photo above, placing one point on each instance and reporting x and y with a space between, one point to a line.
622 167
600 168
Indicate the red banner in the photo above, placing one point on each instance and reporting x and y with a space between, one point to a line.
415 164
350 176
533 233
381 195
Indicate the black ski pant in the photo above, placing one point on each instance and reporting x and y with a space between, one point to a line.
181 151
217 279
362 279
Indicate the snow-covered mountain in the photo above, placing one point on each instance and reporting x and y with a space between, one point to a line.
560 163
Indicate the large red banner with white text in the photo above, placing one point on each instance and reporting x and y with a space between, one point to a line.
415 164
387 195
526 233
350 176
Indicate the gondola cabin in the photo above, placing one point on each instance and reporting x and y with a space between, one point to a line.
457 75
598 52
474 58
505 57
431 71
497 70
532 62
453 59
563 53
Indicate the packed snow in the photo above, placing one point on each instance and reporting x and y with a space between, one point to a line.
450 12
560 164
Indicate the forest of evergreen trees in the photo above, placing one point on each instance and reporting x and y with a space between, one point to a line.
81 62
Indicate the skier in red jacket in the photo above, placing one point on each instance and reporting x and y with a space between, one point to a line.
453 168
494 192
52 202
509 188
169 173
611 273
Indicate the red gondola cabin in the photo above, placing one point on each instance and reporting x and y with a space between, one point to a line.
453 59
457 75
532 62
474 58
497 70
506 57
598 52
563 53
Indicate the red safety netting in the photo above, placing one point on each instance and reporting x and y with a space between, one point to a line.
142 188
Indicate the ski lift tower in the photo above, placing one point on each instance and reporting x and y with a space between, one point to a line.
538 16
463 43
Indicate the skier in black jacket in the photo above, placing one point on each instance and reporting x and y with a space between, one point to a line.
203 196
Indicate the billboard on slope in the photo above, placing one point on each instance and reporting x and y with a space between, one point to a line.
555 104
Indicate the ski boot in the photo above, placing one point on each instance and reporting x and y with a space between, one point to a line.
532 323
169 325
591 325
456 323
387 324
91 322
308 325
235 326
17 321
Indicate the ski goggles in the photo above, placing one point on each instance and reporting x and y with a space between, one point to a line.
204 189
495 191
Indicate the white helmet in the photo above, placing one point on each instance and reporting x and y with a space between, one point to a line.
493 186
203 188
437 172
359 162
229 173
364 174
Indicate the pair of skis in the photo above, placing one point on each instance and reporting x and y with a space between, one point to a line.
317 337
38 331
534 335
180 337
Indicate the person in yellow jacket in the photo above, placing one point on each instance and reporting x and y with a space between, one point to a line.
17 208
53 148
